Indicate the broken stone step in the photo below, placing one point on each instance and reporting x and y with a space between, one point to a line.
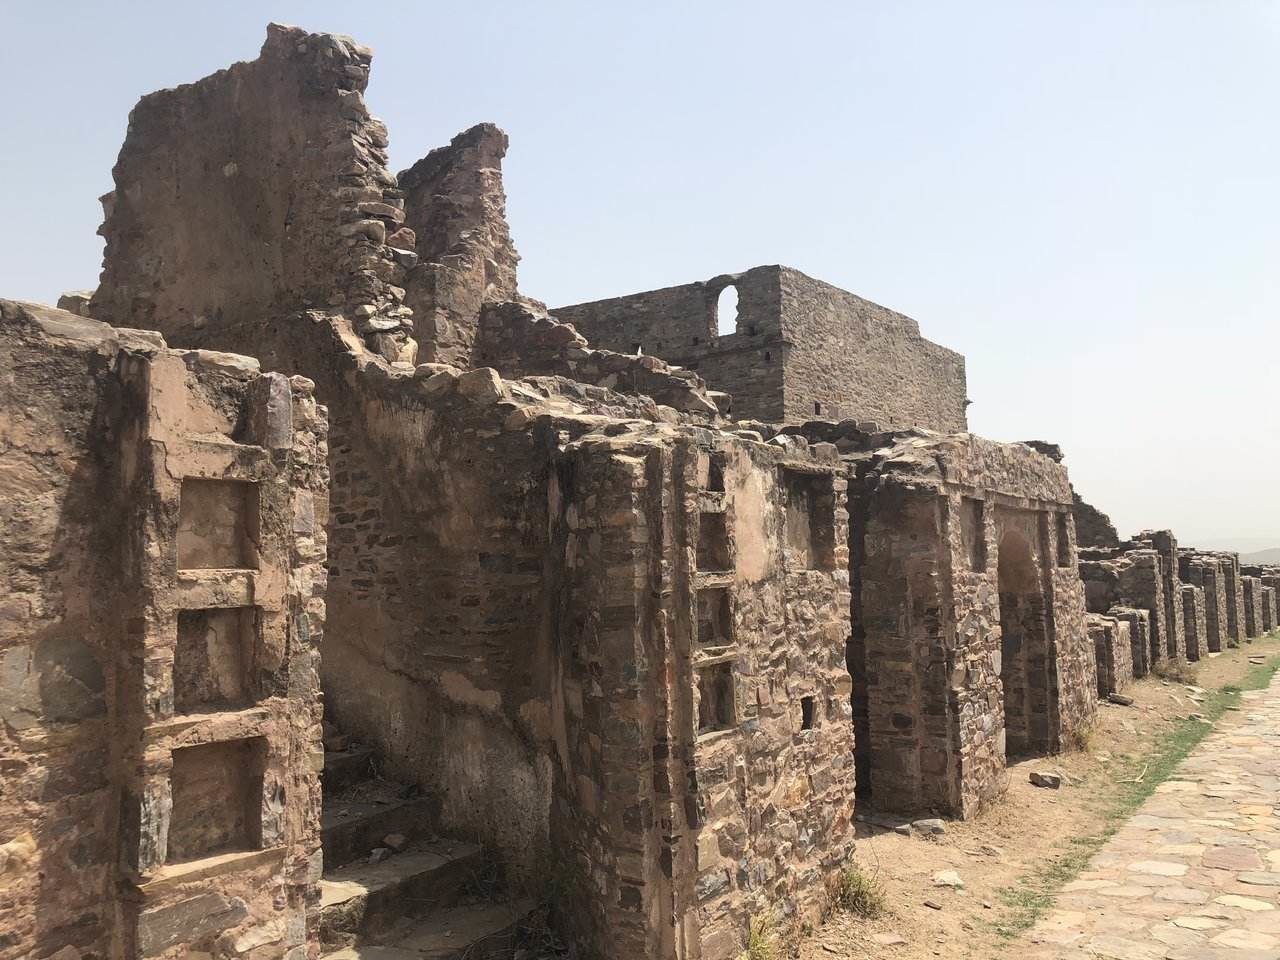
345 768
361 901
350 830
484 931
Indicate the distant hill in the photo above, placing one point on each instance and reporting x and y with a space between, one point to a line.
1271 555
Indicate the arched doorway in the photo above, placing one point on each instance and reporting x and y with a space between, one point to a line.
1025 663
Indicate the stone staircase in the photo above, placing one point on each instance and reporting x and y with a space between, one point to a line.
392 889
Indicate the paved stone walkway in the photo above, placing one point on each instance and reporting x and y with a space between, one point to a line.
1195 874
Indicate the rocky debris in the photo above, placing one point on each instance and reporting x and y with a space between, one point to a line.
947 878
932 826
1043 778
888 939
1120 700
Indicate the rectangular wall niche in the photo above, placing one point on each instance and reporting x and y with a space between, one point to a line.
213 666
715 617
973 533
716 708
810 520
217 799
217 524
713 542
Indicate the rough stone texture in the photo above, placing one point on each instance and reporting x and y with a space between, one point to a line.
1253 618
1165 544
1193 617
255 192
1133 578
801 349
1235 598
1139 622
969 639
1206 572
1269 611
455 209
1219 573
1113 650
514 339
1093 527
108 848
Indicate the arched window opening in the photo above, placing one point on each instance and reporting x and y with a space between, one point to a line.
727 311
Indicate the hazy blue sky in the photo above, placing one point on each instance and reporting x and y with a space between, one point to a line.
1082 197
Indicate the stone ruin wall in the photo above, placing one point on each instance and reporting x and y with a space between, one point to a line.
1093 527
455 214
1194 621
1205 572
440 643
930 516
802 349
679 325
597 629
1113 651
207 228
163 527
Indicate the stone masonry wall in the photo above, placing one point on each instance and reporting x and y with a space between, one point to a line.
513 339
1268 609
1252 589
678 324
1206 572
1193 617
257 192
801 349
1113 651
1139 636
726 525
455 214
1093 527
172 569
931 518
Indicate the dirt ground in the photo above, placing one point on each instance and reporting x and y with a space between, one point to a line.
1013 837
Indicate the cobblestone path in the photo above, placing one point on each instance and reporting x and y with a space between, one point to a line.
1195 874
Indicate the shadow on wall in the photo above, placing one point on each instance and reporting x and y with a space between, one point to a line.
1024 651
62 622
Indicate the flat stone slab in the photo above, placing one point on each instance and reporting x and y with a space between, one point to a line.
1195 873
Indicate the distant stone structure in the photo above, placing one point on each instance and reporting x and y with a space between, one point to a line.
800 349
477 615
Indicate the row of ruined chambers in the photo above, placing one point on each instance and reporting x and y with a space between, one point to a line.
660 627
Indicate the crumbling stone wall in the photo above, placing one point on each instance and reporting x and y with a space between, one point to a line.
1133 578
968 615
455 216
1139 636
512 338
1193 616
1269 611
162 722
1165 544
257 192
1206 572
801 349
707 556
1113 650
1235 598
1093 527
1252 589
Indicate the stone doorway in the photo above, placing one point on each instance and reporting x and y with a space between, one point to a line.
1025 655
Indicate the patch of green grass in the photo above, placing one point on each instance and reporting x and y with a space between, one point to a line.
1034 893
